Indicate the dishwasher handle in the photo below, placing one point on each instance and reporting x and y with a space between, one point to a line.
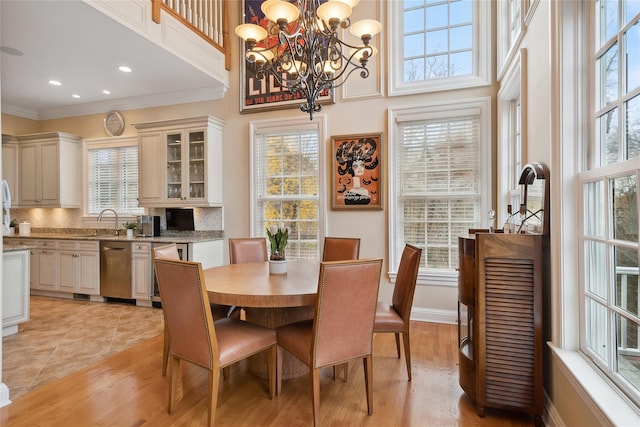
107 248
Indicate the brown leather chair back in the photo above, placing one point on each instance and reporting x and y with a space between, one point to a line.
247 249
186 307
169 251
345 311
406 279
340 249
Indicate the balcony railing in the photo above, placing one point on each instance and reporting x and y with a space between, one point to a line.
207 18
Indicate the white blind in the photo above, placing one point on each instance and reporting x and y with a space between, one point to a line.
287 187
438 173
113 180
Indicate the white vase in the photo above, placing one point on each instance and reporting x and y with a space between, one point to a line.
278 268
129 232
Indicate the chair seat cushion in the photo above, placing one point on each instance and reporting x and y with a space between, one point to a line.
296 339
237 339
387 319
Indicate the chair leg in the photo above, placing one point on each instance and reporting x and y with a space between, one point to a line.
214 381
368 382
225 372
175 381
397 334
278 370
407 352
272 367
165 350
315 395
344 367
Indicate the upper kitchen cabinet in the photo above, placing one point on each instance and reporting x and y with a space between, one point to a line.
49 171
10 165
180 162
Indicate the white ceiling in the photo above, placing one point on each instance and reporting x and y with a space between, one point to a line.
81 47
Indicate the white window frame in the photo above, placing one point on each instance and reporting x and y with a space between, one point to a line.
282 125
512 142
482 63
96 143
435 277
570 112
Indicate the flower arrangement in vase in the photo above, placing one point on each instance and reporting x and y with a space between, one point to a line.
130 226
278 238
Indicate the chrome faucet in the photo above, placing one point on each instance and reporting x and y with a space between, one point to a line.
115 226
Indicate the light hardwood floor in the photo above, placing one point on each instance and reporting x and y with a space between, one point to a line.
127 389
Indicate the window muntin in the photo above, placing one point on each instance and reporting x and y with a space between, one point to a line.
286 185
611 249
112 179
445 44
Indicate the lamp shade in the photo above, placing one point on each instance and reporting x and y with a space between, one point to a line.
265 4
350 3
333 10
260 55
281 10
251 32
366 27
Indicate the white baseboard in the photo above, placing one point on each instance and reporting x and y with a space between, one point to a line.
434 316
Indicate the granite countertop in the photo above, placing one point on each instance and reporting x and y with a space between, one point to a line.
173 237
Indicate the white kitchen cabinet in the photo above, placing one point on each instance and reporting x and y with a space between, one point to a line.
141 270
49 172
46 265
180 162
15 290
10 166
79 263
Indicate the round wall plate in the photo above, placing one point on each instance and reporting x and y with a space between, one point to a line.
114 123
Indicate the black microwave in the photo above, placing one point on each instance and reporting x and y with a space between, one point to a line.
180 219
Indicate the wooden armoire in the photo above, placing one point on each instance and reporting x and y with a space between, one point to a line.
501 284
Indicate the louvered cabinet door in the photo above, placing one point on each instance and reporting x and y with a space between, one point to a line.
509 310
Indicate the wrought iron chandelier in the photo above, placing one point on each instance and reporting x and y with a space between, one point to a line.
300 47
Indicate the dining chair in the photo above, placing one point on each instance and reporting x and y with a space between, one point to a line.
219 311
341 249
395 318
197 339
247 249
342 327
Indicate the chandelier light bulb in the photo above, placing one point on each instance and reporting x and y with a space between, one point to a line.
350 3
251 33
265 4
281 11
334 12
260 55
365 29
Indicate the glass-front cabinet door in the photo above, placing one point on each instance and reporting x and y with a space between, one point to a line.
174 165
196 164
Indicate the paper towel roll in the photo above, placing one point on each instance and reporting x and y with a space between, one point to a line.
25 228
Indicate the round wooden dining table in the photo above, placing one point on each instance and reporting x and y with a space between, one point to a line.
268 300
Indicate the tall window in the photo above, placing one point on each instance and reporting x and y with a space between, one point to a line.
286 188
445 44
610 245
440 180
112 177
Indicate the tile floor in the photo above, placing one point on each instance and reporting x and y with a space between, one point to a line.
64 335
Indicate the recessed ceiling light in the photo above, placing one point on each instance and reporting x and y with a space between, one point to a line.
75 95
124 69
55 83
106 92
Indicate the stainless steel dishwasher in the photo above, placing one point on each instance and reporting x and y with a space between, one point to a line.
115 269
